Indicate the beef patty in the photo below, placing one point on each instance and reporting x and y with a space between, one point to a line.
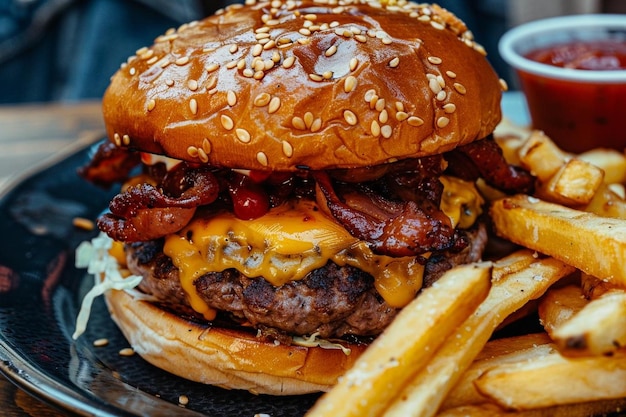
332 301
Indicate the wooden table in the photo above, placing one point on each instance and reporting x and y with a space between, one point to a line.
29 135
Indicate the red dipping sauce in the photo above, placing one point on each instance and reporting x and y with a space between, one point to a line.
579 115
572 70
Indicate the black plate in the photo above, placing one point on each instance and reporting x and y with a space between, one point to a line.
40 294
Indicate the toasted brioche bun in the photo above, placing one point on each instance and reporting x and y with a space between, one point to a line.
306 85
225 357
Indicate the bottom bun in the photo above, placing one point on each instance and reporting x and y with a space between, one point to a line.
227 358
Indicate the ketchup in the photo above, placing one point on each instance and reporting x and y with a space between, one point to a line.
579 115
600 55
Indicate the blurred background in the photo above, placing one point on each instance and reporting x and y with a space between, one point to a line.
66 50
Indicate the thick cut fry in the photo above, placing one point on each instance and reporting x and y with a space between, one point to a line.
593 244
607 203
593 408
574 184
427 390
599 328
540 155
612 162
553 379
497 352
407 344
593 287
559 305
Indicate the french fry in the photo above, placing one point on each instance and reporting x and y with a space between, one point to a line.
598 328
612 162
559 305
496 352
540 155
593 244
573 184
551 379
593 287
592 408
427 390
407 344
607 203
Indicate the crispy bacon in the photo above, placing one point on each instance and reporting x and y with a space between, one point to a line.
144 212
391 228
110 164
484 159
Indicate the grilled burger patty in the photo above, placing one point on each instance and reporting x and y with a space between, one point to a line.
332 301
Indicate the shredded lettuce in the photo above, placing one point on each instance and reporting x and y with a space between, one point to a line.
315 341
94 255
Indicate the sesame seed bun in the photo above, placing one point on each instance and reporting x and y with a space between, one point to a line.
306 85
225 357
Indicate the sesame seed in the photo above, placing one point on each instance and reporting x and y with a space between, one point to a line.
202 155
386 41
241 64
399 106
333 24
380 104
327 75
100 342
437 25
232 64
152 60
233 48
451 74
350 117
126 352
298 123
441 96
83 223
212 67
274 105
262 35
331 51
304 31
206 146
383 117
360 38
182 60
308 119
394 62
276 57
231 98
434 86
401 116
192 151
183 400
269 45
193 106
258 75
164 62
257 49
211 83
449 108
503 85
117 139
316 125
192 84
132 71
369 94
316 77
243 135
415 121
258 64
227 122
261 157
353 64
310 16
169 82
434 60
460 88
289 61
262 99
442 121
287 149
126 140
386 131
248 72
441 81
349 84
151 104
375 128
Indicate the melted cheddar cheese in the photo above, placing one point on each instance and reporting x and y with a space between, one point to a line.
293 239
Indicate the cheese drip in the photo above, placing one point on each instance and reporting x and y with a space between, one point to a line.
291 240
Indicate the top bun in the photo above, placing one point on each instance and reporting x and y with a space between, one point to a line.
286 85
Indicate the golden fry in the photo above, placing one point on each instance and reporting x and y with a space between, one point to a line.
612 162
540 155
607 203
593 244
427 390
551 379
396 355
559 305
573 184
592 408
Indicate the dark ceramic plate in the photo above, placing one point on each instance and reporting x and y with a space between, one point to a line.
40 294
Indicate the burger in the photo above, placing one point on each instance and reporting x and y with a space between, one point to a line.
294 173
